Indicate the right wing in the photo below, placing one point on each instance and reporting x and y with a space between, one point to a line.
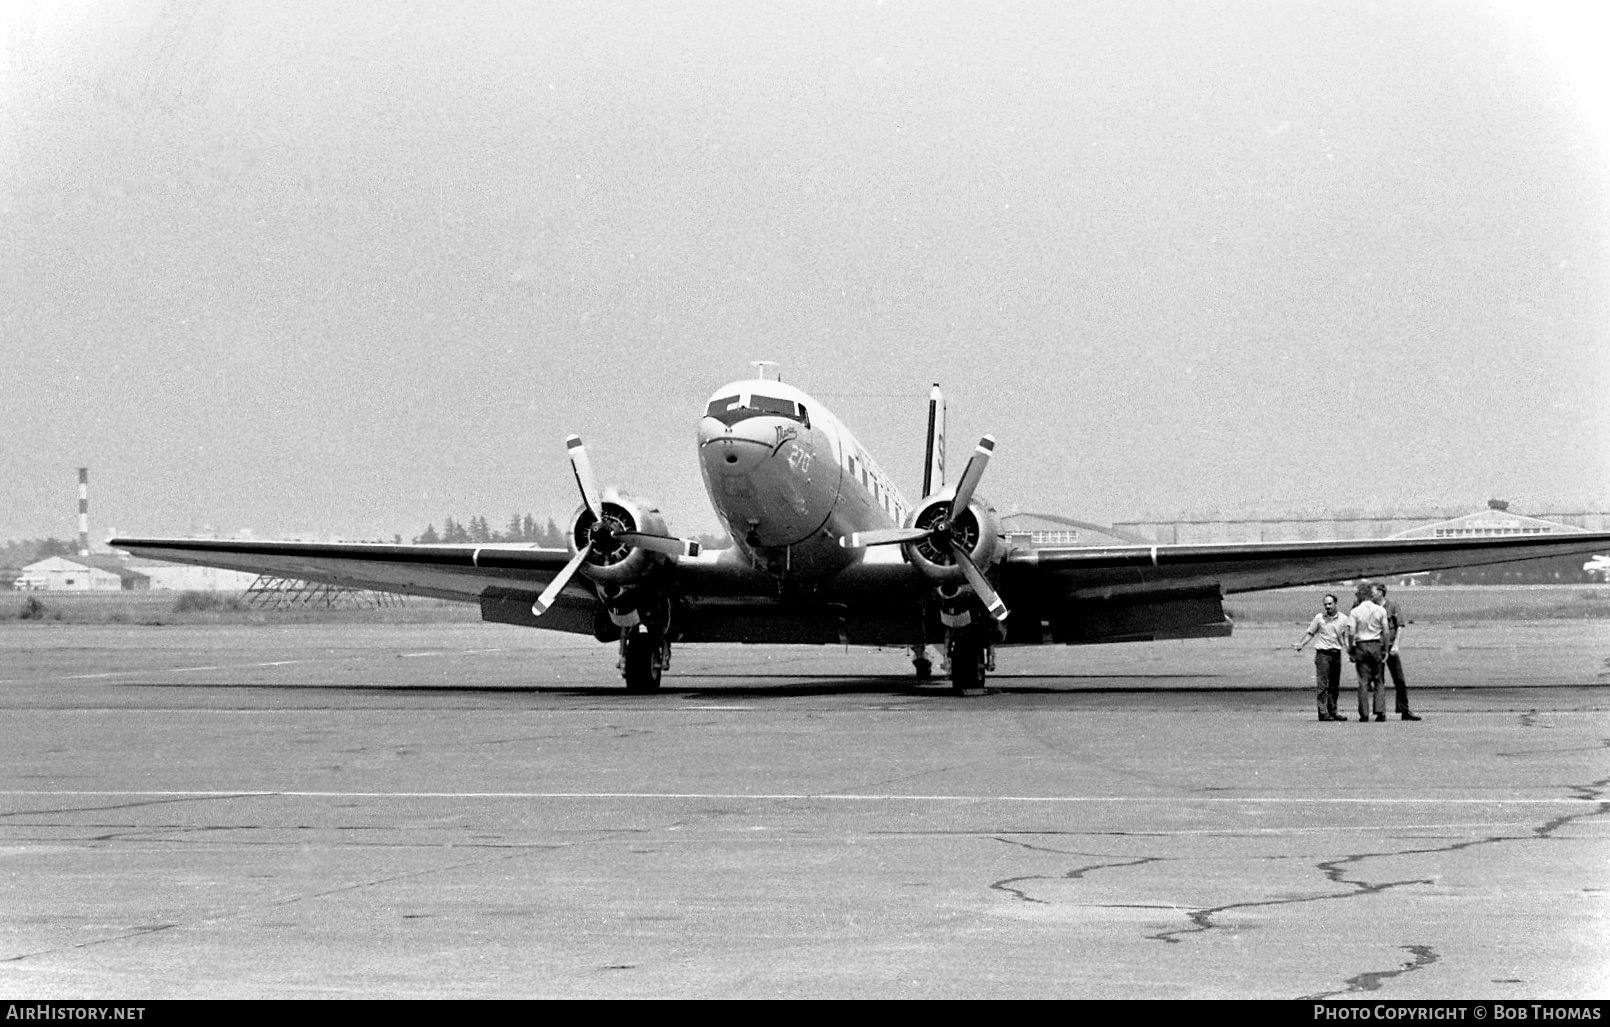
466 573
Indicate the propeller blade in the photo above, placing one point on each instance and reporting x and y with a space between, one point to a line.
933 472
970 476
551 593
883 537
583 469
975 578
659 543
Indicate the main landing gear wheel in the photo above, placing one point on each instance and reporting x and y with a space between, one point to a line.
968 654
643 654
920 662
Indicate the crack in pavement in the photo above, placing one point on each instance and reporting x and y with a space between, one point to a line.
138 932
1593 791
1424 956
262 906
1202 919
129 805
1005 883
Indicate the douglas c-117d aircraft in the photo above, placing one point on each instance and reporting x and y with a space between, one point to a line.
826 549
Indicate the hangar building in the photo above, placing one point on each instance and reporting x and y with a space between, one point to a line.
1495 520
79 574
1042 530
1213 529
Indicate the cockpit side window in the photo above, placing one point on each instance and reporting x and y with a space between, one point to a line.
773 405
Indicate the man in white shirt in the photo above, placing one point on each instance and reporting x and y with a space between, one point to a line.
1369 652
1330 629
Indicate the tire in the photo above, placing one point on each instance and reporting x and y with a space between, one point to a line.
924 668
642 671
967 664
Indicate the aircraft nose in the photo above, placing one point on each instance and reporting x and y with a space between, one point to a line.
735 449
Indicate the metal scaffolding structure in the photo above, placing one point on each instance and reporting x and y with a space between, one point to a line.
270 592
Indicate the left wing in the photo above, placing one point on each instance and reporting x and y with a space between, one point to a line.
1140 592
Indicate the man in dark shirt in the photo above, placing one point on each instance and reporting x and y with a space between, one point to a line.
1394 666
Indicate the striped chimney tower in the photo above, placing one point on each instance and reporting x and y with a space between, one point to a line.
83 511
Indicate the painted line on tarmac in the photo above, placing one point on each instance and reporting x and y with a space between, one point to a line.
254 666
833 797
184 670
452 652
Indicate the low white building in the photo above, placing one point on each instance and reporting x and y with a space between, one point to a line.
60 574
184 577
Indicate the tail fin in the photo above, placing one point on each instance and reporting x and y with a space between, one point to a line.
933 470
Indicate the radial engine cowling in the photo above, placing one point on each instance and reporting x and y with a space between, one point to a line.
975 529
613 561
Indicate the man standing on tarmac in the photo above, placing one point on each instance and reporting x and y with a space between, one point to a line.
1394 665
1330 631
1369 652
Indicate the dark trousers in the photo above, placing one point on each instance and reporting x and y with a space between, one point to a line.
1395 667
1327 680
1371 667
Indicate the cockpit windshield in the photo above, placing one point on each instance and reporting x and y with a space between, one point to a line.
732 409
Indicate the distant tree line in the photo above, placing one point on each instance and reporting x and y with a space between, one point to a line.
520 528
21 552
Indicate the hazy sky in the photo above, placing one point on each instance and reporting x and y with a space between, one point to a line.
350 268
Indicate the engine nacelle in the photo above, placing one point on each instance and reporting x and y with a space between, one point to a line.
612 561
975 530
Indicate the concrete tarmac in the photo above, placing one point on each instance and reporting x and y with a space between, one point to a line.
480 811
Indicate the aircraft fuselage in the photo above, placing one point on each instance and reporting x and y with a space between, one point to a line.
789 480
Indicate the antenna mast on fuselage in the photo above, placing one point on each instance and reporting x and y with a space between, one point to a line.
767 370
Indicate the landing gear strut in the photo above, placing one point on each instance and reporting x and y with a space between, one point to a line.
970 651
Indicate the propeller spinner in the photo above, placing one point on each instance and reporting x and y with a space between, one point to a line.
610 535
944 534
